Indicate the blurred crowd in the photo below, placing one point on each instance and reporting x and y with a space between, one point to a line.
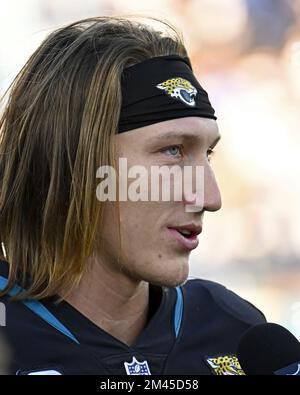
246 54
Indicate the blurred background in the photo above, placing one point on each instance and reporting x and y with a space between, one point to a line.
246 54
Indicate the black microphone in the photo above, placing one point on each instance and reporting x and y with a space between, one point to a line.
269 349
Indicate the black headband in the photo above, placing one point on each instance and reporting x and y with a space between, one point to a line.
159 89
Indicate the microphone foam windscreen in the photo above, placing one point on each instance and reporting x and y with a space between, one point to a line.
266 348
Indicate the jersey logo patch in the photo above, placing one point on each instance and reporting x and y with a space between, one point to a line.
181 89
225 365
137 368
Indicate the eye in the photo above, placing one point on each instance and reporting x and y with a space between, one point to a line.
174 150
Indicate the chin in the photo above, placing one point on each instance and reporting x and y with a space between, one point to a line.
173 274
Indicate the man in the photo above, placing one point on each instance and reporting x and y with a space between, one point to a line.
100 286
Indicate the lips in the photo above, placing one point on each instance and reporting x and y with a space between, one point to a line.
192 228
186 235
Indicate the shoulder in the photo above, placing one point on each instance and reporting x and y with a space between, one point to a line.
210 294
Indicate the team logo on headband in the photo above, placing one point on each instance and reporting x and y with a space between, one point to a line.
181 89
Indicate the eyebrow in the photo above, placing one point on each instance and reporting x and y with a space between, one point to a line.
184 135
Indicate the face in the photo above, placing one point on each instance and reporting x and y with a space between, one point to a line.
153 247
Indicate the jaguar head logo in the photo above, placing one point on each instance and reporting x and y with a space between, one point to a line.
181 89
227 365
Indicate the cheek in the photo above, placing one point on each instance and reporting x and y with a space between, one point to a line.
144 241
139 222
138 230
146 250
144 234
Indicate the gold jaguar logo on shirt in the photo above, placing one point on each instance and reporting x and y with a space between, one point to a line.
226 365
181 89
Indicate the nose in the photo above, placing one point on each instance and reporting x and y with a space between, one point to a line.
212 195
208 195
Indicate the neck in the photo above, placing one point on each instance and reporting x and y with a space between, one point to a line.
112 301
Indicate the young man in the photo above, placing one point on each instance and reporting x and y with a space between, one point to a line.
100 286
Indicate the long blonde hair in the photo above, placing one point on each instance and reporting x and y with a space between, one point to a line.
56 130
